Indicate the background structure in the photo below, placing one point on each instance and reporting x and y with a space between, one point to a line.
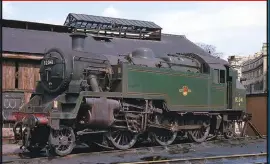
252 70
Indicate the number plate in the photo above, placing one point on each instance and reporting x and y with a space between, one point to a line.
48 62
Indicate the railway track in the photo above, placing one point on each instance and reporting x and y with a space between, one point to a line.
206 160
181 148
209 140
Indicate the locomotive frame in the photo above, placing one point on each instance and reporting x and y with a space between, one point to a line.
114 100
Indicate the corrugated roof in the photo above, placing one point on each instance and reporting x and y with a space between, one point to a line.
31 41
73 18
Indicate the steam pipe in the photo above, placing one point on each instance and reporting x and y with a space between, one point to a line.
94 83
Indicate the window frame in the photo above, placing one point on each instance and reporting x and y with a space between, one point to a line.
215 78
224 81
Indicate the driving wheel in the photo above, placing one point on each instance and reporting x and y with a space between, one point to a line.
122 139
199 135
164 137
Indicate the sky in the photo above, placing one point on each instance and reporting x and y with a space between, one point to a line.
234 28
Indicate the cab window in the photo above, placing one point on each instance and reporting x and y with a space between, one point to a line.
219 76
222 76
215 76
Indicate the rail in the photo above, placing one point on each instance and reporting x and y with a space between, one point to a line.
202 159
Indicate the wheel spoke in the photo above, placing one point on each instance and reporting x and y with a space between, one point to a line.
119 139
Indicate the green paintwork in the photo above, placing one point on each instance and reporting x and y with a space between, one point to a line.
164 84
218 95
240 100
168 84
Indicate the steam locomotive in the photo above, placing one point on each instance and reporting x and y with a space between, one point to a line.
115 100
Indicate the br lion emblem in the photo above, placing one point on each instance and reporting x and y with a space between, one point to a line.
185 90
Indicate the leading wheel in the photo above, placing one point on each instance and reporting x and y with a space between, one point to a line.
62 141
122 139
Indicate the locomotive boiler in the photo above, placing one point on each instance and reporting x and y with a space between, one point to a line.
115 100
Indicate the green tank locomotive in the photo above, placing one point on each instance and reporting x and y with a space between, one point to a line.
115 100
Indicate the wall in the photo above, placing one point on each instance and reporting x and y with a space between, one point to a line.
257 106
20 73
28 75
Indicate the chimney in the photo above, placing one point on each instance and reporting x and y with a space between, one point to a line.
77 40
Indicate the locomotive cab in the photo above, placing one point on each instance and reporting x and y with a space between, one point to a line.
226 78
